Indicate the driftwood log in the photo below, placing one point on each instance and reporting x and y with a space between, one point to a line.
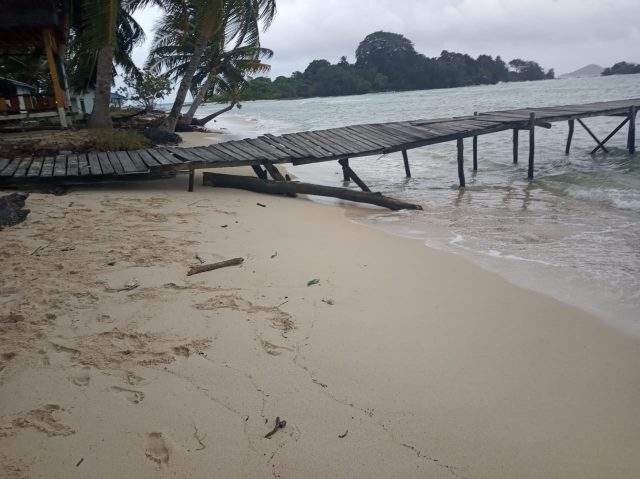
12 209
280 187
201 268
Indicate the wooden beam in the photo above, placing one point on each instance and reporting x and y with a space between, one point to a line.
352 175
532 143
345 174
47 37
595 138
460 145
192 174
280 187
610 135
631 138
260 173
515 145
274 172
405 158
569 137
475 148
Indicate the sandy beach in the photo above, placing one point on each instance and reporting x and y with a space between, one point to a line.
384 357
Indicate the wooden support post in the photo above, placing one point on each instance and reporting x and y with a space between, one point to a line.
352 175
532 143
595 138
345 174
569 137
192 174
610 135
48 40
515 145
274 172
407 170
475 148
631 138
260 173
460 144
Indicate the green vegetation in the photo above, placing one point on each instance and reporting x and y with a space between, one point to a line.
146 89
204 46
389 62
622 68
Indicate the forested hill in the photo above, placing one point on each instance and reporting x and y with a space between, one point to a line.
389 62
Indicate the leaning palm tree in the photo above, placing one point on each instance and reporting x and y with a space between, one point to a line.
104 32
229 88
239 61
202 20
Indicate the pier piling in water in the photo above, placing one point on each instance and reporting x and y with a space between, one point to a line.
405 158
515 145
532 144
475 148
569 136
631 138
460 145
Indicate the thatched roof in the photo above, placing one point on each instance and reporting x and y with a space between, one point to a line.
22 21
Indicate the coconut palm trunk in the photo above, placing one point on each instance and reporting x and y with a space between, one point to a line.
100 117
208 118
187 118
172 119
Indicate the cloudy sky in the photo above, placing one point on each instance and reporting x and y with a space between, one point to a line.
560 34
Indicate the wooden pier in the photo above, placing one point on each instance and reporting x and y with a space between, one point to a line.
335 144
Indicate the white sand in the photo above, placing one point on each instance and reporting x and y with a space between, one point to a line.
435 367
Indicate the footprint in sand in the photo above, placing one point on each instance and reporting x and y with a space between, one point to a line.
83 378
157 449
134 397
181 351
133 379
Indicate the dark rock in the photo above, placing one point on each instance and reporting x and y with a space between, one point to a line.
183 127
11 209
161 137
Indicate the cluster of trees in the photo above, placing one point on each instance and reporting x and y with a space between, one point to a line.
622 68
389 62
202 46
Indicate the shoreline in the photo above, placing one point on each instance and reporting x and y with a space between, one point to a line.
575 295
401 361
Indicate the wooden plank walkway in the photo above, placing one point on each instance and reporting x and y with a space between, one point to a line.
335 144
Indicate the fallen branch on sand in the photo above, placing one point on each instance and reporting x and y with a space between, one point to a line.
280 187
279 425
201 268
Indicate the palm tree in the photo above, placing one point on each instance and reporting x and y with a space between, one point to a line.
230 87
104 31
234 63
202 20
166 54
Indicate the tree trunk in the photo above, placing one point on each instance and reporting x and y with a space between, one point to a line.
185 84
202 93
208 118
284 187
100 117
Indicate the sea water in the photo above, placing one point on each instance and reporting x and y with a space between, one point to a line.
573 232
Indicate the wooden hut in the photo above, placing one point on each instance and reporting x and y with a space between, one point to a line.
38 27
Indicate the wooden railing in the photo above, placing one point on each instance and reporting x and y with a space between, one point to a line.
21 105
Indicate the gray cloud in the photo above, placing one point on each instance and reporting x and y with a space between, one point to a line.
560 34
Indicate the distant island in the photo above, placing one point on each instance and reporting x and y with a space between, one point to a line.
622 68
389 62
585 72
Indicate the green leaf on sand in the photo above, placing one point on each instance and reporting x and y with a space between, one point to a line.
274 255
313 281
